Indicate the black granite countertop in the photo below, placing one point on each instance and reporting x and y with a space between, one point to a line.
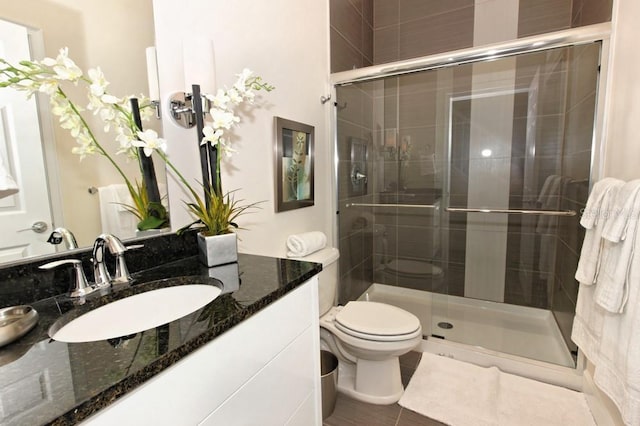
71 381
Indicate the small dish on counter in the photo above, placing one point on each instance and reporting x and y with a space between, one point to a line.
15 322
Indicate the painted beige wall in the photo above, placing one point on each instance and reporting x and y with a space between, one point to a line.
285 41
112 35
622 144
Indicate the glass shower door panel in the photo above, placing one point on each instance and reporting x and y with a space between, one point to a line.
520 139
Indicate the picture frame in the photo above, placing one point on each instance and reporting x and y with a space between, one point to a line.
294 164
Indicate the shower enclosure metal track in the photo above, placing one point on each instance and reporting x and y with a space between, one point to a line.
564 38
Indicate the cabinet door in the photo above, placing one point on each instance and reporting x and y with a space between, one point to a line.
189 391
275 393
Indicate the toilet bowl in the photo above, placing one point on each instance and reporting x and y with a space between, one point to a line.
366 337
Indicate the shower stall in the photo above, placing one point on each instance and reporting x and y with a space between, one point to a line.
460 182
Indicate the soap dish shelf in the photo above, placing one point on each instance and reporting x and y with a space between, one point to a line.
15 322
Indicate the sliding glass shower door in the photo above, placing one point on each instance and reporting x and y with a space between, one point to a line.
461 188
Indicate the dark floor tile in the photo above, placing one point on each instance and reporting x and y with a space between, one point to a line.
350 412
411 359
405 374
410 418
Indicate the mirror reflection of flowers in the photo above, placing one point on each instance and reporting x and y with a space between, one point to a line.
49 76
215 212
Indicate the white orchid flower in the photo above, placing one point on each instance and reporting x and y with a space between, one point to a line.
220 100
241 83
222 119
99 84
234 96
149 141
109 99
48 87
211 135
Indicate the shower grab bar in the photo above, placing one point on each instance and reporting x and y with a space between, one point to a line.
420 206
513 211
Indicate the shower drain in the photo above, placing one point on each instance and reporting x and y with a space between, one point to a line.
445 325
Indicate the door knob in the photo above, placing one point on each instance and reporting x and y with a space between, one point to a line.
38 227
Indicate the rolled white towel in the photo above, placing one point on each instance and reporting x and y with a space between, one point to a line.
300 245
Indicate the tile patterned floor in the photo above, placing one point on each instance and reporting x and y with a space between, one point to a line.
350 412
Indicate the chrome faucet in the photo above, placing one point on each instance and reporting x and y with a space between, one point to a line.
101 273
79 285
63 234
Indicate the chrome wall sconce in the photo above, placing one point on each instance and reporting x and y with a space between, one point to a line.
183 110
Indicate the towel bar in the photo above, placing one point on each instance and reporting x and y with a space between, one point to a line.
421 206
513 211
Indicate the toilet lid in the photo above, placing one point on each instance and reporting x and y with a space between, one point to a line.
376 319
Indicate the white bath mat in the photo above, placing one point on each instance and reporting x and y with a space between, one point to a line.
462 394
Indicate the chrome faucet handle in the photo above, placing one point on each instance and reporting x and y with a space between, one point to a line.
79 285
100 273
122 275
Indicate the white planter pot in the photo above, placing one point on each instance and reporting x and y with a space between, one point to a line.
151 232
218 249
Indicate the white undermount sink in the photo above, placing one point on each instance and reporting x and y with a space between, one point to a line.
137 313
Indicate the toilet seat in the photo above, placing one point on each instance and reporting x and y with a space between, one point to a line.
377 321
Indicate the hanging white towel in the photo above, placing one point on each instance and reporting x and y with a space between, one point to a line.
617 369
115 218
548 200
618 251
588 322
300 245
589 317
594 217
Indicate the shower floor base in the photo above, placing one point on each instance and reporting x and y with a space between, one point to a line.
525 332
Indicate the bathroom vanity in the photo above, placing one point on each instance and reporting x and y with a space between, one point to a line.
251 356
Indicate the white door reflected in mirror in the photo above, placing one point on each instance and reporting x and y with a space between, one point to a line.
21 151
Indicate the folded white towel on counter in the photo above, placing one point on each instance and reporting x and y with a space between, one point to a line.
300 245
593 219
620 235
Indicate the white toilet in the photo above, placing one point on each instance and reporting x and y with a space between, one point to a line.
367 338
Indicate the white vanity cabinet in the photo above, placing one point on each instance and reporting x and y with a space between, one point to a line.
263 371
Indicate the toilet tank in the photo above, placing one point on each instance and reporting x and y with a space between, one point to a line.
328 277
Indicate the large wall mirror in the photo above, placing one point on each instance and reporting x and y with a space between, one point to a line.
113 35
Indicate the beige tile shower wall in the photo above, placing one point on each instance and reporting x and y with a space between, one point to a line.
543 16
351 34
587 12
406 29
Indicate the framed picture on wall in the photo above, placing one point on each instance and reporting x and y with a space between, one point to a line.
294 164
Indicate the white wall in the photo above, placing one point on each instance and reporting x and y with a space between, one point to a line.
287 43
622 143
